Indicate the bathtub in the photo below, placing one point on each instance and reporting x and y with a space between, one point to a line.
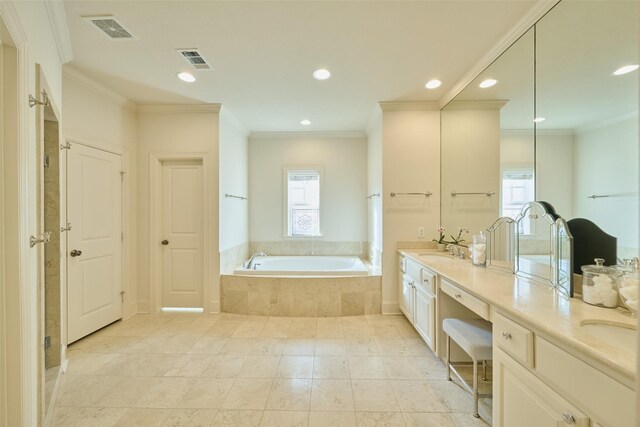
306 266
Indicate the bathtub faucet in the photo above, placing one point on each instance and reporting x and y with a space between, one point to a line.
249 263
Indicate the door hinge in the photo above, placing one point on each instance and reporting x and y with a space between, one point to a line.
47 342
122 296
45 100
66 146
45 160
67 228
122 173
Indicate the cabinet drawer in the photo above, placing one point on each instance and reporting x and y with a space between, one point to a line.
413 270
513 339
428 280
402 264
474 304
605 399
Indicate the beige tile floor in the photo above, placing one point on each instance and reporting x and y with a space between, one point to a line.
232 370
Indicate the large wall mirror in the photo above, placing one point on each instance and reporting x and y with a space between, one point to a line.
557 126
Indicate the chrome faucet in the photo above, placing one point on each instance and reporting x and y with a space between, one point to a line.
249 263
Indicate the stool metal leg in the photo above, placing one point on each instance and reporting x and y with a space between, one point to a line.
448 358
475 389
484 370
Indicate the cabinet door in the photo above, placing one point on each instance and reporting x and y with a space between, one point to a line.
425 316
521 399
406 297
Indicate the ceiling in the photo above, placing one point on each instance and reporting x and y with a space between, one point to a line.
263 54
574 83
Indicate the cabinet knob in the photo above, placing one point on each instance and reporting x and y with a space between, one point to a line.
507 336
568 418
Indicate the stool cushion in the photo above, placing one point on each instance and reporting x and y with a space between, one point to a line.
472 335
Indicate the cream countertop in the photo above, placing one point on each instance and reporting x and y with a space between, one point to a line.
538 306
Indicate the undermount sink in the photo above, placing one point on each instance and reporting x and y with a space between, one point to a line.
619 335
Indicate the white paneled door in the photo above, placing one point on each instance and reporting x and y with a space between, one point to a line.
95 240
182 234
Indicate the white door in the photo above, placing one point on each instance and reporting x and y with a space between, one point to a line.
95 240
182 234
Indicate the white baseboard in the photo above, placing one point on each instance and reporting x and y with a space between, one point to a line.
214 306
391 308
54 395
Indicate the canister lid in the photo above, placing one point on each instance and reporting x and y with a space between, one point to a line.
599 268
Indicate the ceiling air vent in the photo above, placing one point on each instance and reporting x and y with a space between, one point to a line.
194 58
110 27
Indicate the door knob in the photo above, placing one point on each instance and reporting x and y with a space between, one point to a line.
74 253
165 242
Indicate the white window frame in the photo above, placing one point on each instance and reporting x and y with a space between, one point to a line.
285 199
518 168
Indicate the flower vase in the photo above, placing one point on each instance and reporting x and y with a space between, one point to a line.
442 247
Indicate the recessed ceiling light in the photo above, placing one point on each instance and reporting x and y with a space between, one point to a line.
488 83
539 119
305 122
186 77
321 74
626 69
432 84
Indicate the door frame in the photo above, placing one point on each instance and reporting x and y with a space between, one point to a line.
155 225
21 349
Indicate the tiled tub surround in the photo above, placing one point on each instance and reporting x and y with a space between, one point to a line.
231 258
310 247
301 296
231 370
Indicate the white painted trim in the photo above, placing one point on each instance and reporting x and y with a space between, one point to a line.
608 122
224 112
179 108
391 308
78 77
476 105
155 227
521 27
3 310
60 29
214 306
297 135
409 106
143 306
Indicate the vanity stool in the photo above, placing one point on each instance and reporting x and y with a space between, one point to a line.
474 337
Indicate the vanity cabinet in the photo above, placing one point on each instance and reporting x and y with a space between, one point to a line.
418 299
548 386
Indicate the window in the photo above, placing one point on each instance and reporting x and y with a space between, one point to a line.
517 189
303 202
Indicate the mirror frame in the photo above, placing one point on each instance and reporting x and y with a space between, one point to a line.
491 249
549 215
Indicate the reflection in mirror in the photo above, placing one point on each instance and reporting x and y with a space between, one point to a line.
535 251
588 143
487 143
564 260
501 244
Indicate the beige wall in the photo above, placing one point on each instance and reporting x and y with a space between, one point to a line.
410 163
167 131
374 186
96 116
606 162
344 206
234 179
470 163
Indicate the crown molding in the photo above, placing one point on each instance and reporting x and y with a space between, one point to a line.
290 135
608 122
409 105
477 105
12 20
178 108
98 88
58 21
224 112
522 26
